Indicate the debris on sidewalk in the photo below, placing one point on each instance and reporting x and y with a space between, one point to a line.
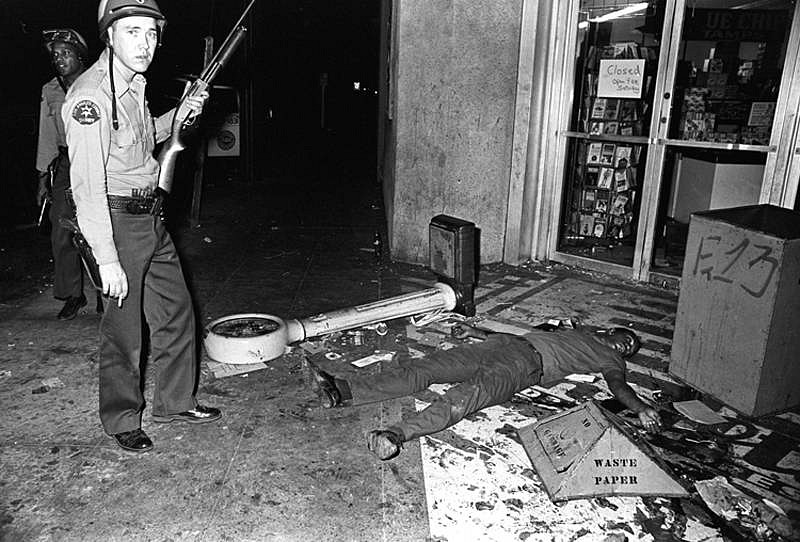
500 327
312 347
53 383
48 384
698 412
586 452
222 370
428 338
588 378
733 505
379 355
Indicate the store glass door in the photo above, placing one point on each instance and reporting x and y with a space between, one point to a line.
671 113
718 111
617 53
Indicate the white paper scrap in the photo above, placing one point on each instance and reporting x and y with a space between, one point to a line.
698 412
221 370
580 378
379 355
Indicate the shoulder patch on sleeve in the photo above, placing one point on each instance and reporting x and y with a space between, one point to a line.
86 112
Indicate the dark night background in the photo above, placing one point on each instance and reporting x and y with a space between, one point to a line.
291 43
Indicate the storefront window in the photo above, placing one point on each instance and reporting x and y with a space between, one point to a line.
727 79
616 66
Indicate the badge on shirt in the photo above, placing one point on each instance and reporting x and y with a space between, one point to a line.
86 112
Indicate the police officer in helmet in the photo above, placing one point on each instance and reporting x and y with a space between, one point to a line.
111 135
69 56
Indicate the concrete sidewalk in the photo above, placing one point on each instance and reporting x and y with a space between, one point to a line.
279 467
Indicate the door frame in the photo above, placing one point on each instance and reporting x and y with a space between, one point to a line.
780 180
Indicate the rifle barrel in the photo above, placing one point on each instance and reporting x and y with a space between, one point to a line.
233 33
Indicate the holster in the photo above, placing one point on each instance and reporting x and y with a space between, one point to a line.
82 245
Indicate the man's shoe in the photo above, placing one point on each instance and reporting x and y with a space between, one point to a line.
384 444
199 414
71 307
134 441
325 387
621 339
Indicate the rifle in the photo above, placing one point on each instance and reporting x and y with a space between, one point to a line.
169 152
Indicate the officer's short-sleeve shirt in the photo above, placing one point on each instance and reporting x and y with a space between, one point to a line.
51 126
106 161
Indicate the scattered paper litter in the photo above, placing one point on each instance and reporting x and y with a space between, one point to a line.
415 354
312 347
500 327
221 370
53 383
581 378
379 355
698 412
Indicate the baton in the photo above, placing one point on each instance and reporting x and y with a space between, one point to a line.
41 213
46 199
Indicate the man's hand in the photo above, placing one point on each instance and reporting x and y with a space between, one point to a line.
115 281
196 103
650 419
462 331
625 394
44 190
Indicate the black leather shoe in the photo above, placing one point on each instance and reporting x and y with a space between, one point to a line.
134 441
71 307
324 385
199 414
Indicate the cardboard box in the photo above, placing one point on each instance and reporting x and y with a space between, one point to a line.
586 452
736 333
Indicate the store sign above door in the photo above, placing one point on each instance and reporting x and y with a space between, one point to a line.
620 78
735 25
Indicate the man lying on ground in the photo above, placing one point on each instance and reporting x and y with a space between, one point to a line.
487 373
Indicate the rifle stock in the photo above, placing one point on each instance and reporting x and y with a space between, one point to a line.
172 147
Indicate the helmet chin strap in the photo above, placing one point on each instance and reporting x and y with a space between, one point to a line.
114 119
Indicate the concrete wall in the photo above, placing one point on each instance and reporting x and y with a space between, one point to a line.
453 119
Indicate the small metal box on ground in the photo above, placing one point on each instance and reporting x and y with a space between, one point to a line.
585 452
453 257
736 333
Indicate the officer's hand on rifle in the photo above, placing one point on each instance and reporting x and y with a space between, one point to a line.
43 192
196 103
115 281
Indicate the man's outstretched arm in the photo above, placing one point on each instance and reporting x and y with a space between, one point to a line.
625 394
463 331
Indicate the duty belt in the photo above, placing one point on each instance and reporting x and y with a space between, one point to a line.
133 205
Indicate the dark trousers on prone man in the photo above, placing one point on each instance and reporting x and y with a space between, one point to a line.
486 374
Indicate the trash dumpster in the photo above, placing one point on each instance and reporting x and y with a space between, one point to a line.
736 335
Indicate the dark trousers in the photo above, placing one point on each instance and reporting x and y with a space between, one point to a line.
68 277
156 291
487 374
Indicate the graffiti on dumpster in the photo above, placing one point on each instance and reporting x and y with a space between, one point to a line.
753 274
